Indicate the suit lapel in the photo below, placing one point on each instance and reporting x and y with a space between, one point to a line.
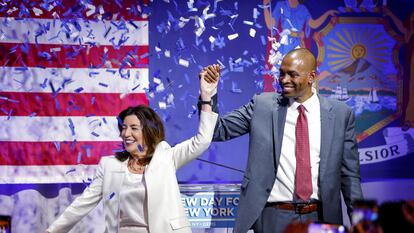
159 149
279 118
327 129
118 174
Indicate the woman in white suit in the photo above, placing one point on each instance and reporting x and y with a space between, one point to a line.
138 187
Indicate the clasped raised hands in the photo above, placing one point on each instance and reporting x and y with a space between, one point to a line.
209 77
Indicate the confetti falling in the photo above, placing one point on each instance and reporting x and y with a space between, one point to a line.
67 61
103 47
188 36
140 148
110 196
70 171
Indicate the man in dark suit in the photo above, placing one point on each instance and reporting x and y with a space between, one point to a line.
302 151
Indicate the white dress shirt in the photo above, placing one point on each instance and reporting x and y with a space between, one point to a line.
284 186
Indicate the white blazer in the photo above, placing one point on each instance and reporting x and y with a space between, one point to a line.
165 210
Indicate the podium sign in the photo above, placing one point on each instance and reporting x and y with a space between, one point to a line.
210 205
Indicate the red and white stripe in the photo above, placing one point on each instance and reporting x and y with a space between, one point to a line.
63 81
56 31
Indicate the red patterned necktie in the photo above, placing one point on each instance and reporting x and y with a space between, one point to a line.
303 176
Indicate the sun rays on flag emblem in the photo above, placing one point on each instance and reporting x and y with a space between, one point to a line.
367 41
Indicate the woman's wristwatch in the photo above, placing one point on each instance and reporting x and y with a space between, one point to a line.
210 102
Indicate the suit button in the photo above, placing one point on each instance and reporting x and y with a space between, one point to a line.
268 190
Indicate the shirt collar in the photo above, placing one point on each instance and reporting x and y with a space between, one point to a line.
310 104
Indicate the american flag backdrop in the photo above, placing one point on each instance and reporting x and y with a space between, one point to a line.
67 68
